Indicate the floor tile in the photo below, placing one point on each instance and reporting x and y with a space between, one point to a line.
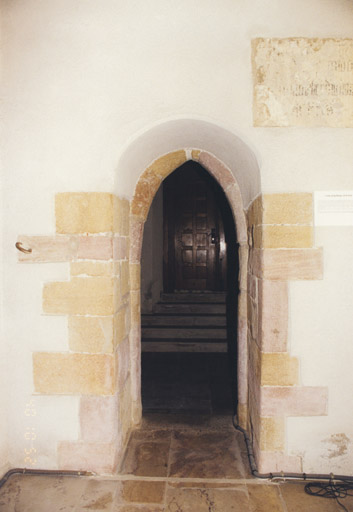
265 498
138 508
205 455
27 493
98 495
147 454
296 499
141 492
207 500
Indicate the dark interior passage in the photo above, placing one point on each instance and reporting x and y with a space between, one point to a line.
186 383
189 336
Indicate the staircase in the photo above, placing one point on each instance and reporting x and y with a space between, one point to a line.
186 322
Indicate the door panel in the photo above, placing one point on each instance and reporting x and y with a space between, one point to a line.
191 217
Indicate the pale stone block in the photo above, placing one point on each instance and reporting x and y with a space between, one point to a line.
135 276
294 401
95 248
166 164
293 208
255 264
217 169
80 296
119 326
135 342
135 304
254 363
127 316
120 248
242 415
80 456
91 334
195 153
136 233
252 286
98 418
84 212
124 278
91 269
292 264
255 212
253 318
136 413
235 200
279 369
242 361
272 434
125 217
57 373
146 188
278 237
48 248
123 363
302 82
125 403
121 216
273 315
276 462
257 236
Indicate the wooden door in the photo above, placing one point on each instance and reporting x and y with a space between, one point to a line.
193 231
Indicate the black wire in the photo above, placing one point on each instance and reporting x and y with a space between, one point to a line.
334 490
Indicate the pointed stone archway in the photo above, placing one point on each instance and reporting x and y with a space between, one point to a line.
145 191
275 239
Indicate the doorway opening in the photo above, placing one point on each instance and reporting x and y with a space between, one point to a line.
189 298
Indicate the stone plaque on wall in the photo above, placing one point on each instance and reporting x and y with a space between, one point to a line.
303 82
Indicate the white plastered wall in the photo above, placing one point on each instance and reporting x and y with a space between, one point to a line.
82 81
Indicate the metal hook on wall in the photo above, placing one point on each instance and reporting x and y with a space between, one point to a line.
22 249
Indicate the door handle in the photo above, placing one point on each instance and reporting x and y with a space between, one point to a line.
214 236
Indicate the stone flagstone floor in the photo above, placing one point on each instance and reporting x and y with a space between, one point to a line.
172 464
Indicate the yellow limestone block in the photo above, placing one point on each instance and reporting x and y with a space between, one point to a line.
91 334
286 237
86 374
84 212
124 278
295 208
151 179
135 276
166 164
91 268
121 216
80 296
195 153
272 434
254 213
279 369
119 326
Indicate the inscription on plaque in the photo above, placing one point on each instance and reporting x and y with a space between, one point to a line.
303 82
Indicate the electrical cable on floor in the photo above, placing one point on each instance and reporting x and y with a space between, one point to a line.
333 490
338 486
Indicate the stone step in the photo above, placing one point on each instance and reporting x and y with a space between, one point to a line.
183 320
184 332
215 297
191 308
184 346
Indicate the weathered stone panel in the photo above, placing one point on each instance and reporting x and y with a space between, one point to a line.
303 82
